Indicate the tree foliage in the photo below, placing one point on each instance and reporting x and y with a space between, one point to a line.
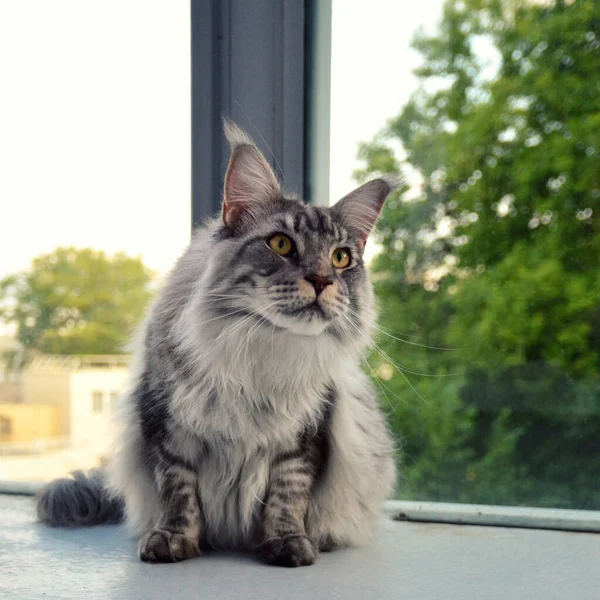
499 258
76 301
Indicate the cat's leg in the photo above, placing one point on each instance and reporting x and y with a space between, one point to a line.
176 535
360 475
285 541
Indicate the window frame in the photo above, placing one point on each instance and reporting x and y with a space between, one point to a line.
282 98
252 63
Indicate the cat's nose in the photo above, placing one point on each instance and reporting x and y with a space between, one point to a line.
319 282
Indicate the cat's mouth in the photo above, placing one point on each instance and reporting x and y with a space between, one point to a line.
311 310
314 308
309 319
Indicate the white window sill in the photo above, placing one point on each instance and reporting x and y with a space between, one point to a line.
441 512
499 516
408 560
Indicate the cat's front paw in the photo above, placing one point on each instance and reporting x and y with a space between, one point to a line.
327 544
289 551
159 546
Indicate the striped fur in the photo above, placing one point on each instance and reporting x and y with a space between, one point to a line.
248 423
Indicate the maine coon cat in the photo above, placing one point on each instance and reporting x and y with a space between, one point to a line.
248 423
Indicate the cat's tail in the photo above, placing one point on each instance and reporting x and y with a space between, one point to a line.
78 501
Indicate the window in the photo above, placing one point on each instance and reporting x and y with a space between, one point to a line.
5 426
97 402
486 261
114 398
492 399
95 154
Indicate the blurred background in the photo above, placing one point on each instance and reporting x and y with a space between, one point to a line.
486 264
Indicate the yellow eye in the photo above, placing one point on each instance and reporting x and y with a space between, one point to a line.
340 258
281 244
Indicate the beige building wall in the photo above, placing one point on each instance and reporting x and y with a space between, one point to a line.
77 395
49 387
94 394
28 422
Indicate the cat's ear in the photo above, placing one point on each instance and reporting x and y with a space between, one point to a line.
250 182
360 209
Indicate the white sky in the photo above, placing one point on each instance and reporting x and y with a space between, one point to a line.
371 73
94 117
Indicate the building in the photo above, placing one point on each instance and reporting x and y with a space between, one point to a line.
24 424
64 402
12 358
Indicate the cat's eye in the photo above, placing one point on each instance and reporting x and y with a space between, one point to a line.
281 244
340 258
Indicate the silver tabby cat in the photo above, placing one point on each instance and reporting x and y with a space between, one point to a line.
248 423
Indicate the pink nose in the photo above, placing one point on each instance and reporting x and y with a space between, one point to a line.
319 282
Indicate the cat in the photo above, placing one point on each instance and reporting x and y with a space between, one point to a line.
248 423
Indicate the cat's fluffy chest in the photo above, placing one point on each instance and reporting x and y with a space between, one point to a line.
246 417
261 396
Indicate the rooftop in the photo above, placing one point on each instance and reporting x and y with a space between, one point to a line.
61 362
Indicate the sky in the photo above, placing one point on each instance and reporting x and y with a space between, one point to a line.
371 73
95 117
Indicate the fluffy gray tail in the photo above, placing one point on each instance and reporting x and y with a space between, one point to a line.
78 501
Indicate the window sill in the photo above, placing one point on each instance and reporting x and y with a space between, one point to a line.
499 516
441 512
408 560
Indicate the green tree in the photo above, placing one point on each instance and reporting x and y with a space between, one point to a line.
499 257
76 301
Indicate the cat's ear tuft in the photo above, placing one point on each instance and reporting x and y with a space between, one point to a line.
250 182
360 209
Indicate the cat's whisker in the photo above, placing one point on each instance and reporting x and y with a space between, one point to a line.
375 377
396 332
206 298
225 316
400 366
168 307
249 332
400 370
407 370
223 335
233 327
383 355
381 330
381 387
212 295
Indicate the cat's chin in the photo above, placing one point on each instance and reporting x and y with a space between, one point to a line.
303 327
308 329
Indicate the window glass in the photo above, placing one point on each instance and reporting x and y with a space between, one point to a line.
97 401
5 426
95 188
486 263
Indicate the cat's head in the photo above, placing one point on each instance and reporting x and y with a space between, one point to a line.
296 266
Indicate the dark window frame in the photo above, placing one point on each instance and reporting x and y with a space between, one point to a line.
266 65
